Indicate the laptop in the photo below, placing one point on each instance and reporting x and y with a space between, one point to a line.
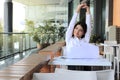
83 51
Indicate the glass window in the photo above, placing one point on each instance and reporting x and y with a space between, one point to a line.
1 14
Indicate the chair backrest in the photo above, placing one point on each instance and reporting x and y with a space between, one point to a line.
109 51
43 76
100 75
105 75
63 75
64 52
80 75
118 52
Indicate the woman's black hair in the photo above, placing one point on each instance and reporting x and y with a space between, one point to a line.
83 25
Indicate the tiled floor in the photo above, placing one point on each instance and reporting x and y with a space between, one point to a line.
7 62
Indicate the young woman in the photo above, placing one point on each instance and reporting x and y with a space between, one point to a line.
78 34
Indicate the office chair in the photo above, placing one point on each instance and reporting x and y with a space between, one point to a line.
117 61
80 75
100 75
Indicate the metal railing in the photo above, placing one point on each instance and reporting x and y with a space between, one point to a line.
14 43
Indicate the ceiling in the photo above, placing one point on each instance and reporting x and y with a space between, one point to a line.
42 2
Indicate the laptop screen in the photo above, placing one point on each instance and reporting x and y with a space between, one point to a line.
83 51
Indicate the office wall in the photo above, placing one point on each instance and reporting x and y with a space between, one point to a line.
46 12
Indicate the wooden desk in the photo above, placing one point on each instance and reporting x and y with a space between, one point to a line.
5 75
34 59
19 68
24 69
10 78
80 62
52 50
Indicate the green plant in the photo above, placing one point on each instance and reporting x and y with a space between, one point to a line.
46 33
1 36
95 38
36 38
61 32
30 25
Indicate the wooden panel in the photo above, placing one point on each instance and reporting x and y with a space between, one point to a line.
116 13
24 69
33 60
9 78
52 50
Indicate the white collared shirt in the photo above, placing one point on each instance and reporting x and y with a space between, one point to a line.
80 46
74 41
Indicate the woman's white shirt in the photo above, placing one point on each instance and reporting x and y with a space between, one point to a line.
80 48
74 41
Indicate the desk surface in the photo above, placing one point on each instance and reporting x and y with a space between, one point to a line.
33 60
82 62
110 45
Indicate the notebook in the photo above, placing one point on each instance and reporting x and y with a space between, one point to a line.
83 51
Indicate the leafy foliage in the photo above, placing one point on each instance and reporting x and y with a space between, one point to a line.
46 33
95 38
1 28
29 25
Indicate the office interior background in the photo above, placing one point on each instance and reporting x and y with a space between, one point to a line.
15 13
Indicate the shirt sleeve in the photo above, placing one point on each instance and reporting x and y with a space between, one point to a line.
70 28
88 33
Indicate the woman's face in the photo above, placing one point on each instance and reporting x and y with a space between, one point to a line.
78 31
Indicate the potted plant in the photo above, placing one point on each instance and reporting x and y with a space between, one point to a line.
96 39
61 32
30 28
46 34
42 34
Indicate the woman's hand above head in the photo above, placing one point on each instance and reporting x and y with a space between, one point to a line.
84 5
79 7
87 8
